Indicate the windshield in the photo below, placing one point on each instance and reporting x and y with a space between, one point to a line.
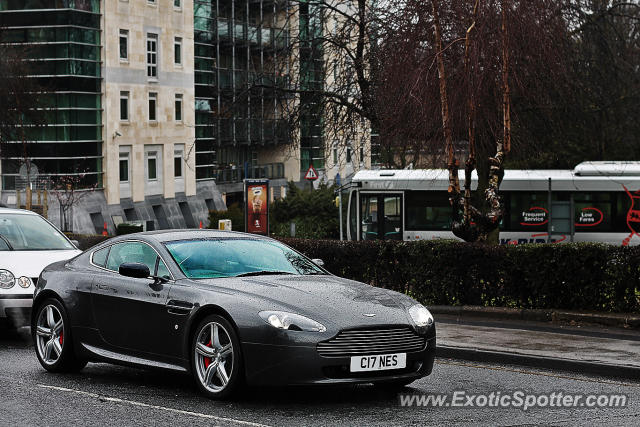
213 258
21 232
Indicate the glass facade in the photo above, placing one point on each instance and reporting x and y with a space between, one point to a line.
61 39
239 52
311 80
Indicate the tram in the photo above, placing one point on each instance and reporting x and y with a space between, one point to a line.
413 204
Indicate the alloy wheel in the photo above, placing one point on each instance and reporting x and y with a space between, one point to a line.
214 357
50 334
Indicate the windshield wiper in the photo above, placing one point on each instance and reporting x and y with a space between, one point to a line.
261 273
6 241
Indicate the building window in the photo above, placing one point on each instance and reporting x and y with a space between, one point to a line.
349 155
124 106
335 156
152 55
178 115
177 164
124 167
177 51
124 45
152 166
361 154
153 100
151 1
177 4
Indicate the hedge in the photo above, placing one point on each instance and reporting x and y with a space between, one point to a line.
591 277
233 212
581 276
85 241
125 228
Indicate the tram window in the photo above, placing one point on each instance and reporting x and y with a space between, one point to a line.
392 217
427 210
593 211
369 215
527 211
622 205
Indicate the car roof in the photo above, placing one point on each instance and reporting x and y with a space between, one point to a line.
16 211
178 234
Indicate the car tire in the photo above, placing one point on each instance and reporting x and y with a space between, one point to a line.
53 338
225 356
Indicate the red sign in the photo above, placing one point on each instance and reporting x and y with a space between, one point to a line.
633 216
311 174
257 208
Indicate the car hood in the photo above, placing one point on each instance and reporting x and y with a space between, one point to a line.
31 263
328 299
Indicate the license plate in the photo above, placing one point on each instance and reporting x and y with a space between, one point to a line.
379 362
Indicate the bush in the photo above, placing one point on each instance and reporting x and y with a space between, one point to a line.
233 212
314 213
85 241
125 228
580 276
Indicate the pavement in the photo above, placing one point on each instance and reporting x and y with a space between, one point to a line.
495 337
106 395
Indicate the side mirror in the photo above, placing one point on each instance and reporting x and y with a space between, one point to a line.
318 261
76 243
134 269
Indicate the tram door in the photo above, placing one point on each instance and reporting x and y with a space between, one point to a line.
381 216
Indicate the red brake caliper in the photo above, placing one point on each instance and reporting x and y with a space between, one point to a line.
207 360
61 337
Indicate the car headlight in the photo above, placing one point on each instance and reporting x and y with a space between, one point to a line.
420 315
7 279
24 282
291 321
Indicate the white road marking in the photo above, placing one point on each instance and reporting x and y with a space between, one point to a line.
146 405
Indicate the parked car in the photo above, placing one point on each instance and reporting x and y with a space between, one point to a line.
229 308
28 243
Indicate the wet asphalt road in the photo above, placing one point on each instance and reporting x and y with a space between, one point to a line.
110 395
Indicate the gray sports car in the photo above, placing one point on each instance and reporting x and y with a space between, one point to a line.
229 308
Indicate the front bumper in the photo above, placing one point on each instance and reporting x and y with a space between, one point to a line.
301 365
16 307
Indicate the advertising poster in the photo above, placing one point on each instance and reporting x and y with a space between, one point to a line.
256 210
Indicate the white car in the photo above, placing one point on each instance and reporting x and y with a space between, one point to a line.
28 243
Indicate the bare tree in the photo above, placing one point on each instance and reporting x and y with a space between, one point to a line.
69 190
332 59
595 108
452 71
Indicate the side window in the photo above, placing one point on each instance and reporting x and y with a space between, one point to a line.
131 252
163 271
100 257
427 210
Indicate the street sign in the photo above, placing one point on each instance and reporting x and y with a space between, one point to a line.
311 174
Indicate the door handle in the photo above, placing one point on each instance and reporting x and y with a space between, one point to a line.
102 287
179 307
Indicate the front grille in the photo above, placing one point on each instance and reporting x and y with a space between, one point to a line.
355 342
